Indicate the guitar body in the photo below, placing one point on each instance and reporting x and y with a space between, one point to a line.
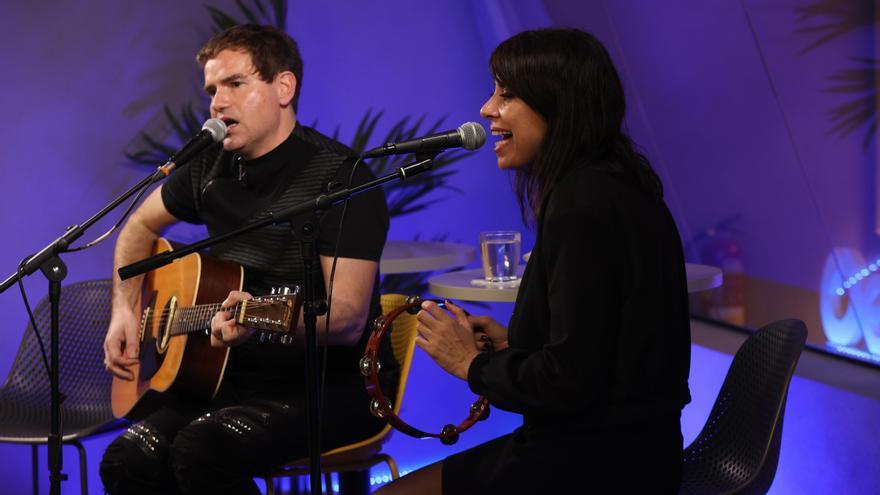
183 363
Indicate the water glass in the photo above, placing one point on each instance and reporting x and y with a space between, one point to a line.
500 254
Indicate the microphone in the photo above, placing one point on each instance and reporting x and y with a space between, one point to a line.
469 136
213 131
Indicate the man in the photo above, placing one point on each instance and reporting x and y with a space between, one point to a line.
253 75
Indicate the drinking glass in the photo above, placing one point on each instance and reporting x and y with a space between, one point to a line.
500 254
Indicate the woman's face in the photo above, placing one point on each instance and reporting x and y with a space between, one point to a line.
519 130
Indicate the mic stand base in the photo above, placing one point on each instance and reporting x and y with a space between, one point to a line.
54 270
312 307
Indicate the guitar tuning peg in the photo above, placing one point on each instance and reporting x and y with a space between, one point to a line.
273 290
284 291
287 339
273 338
264 337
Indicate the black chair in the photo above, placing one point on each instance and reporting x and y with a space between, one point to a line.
738 449
84 314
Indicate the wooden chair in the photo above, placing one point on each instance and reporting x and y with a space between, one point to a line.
367 453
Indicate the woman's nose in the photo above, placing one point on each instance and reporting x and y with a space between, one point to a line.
489 109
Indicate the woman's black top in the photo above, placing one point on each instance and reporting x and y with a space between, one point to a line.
600 334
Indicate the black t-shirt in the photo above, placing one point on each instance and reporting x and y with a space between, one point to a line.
224 192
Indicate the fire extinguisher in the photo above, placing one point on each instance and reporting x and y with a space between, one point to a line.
720 246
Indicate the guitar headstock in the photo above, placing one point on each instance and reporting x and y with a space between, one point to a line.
276 314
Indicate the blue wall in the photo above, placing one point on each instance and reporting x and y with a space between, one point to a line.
723 99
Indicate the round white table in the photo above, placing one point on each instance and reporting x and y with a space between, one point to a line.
424 256
703 277
457 285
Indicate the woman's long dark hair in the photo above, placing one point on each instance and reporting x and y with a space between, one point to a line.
567 77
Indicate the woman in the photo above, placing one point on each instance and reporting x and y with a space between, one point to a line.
597 351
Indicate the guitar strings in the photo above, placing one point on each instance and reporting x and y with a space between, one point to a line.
198 313
213 308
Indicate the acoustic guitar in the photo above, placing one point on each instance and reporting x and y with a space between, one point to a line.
175 352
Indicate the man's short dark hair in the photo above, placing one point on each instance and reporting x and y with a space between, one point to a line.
272 51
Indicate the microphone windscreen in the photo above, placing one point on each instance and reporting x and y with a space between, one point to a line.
473 135
217 128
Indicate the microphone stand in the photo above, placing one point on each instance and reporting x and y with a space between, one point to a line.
48 262
311 307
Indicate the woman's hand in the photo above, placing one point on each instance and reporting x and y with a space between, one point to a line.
448 339
488 333
225 332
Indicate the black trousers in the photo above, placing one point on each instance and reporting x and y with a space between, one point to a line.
638 459
219 447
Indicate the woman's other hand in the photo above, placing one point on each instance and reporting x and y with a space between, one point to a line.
488 333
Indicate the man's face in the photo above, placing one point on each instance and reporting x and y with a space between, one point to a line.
250 107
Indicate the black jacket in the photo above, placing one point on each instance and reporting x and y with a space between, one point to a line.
600 334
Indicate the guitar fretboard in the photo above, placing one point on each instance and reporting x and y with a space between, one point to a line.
194 318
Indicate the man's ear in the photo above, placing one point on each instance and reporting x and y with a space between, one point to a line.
286 84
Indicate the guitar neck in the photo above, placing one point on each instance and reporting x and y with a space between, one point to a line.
275 313
198 318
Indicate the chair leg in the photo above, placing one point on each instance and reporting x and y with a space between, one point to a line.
270 486
328 483
295 486
34 473
355 482
83 463
392 465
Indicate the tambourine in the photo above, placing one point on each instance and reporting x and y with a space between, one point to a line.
381 407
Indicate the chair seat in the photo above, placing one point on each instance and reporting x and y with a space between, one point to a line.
347 460
367 453
26 419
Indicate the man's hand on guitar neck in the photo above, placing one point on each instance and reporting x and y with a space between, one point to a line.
121 344
225 332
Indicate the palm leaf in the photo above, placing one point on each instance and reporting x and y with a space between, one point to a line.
221 19
838 17
364 133
248 13
861 109
826 20
261 8
279 7
255 14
